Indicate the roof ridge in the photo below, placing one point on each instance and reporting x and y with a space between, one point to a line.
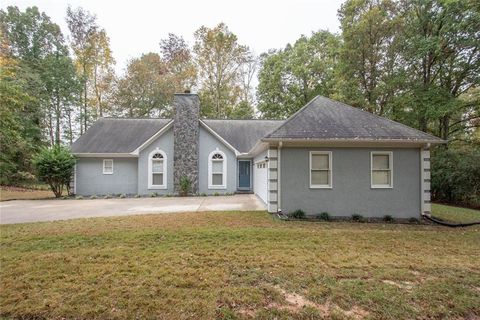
134 118
380 117
242 119
293 116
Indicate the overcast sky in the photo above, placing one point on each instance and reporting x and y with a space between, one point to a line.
135 27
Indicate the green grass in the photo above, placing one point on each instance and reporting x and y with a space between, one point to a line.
230 265
455 214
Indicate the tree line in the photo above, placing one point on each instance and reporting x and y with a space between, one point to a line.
413 61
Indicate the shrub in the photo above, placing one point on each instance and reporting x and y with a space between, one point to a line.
297 214
216 194
413 220
93 196
153 194
107 196
185 185
324 216
79 197
357 217
122 196
55 167
138 196
203 194
387 218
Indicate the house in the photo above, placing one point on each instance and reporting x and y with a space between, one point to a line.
327 157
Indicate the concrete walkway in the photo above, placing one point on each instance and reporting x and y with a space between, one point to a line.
20 211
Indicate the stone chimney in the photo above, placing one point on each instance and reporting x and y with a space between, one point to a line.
186 135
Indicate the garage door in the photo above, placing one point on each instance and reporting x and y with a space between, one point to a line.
260 180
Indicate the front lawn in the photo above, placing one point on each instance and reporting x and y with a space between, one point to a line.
237 265
19 193
455 214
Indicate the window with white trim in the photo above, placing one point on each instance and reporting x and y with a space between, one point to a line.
107 166
382 169
217 165
157 170
320 169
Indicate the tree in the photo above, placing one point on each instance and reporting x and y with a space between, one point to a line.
55 166
291 77
94 61
145 89
370 70
219 59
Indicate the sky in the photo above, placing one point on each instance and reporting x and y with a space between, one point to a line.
136 27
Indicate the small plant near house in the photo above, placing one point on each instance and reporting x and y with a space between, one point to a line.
137 196
413 220
153 194
107 196
123 196
297 214
216 194
324 216
79 197
203 194
93 196
387 218
357 217
185 185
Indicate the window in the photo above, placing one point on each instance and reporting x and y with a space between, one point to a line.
107 166
157 170
382 165
217 170
320 169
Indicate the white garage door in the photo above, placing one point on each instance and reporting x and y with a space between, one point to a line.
260 180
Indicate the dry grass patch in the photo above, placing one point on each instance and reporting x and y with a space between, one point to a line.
236 265
17 193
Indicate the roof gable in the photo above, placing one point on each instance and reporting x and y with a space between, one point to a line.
326 119
117 135
242 134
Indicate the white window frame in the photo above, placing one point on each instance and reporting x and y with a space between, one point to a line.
150 170
330 171
103 169
390 168
224 171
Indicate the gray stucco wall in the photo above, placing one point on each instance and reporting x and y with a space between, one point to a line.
164 143
90 179
207 144
351 192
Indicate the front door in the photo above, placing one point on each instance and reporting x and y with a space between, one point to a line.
244 174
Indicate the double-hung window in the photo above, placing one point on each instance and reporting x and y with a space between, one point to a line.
382 169
157 173
321 169
217 170
107 166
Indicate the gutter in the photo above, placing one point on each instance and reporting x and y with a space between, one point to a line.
406 141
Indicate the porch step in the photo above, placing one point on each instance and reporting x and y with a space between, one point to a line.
244 192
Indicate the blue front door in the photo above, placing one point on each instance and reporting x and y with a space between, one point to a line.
244 174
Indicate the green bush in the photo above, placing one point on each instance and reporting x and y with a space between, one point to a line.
185 185
357 217
297 214
55 167
93 196
387 218
324 216
455 175
153 194
138 196
122 196
413 220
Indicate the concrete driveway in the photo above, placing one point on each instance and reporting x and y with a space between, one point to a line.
20 211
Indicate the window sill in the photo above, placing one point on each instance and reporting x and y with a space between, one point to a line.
157 187
381 187
321 187
107 172
217 187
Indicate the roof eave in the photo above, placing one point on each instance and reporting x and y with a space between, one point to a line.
350 140
104 155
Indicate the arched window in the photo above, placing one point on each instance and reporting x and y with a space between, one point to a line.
157 170
217 170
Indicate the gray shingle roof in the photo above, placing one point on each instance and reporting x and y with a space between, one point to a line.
323 118
243 134
117 135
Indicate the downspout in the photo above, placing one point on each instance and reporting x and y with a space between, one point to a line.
279 184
